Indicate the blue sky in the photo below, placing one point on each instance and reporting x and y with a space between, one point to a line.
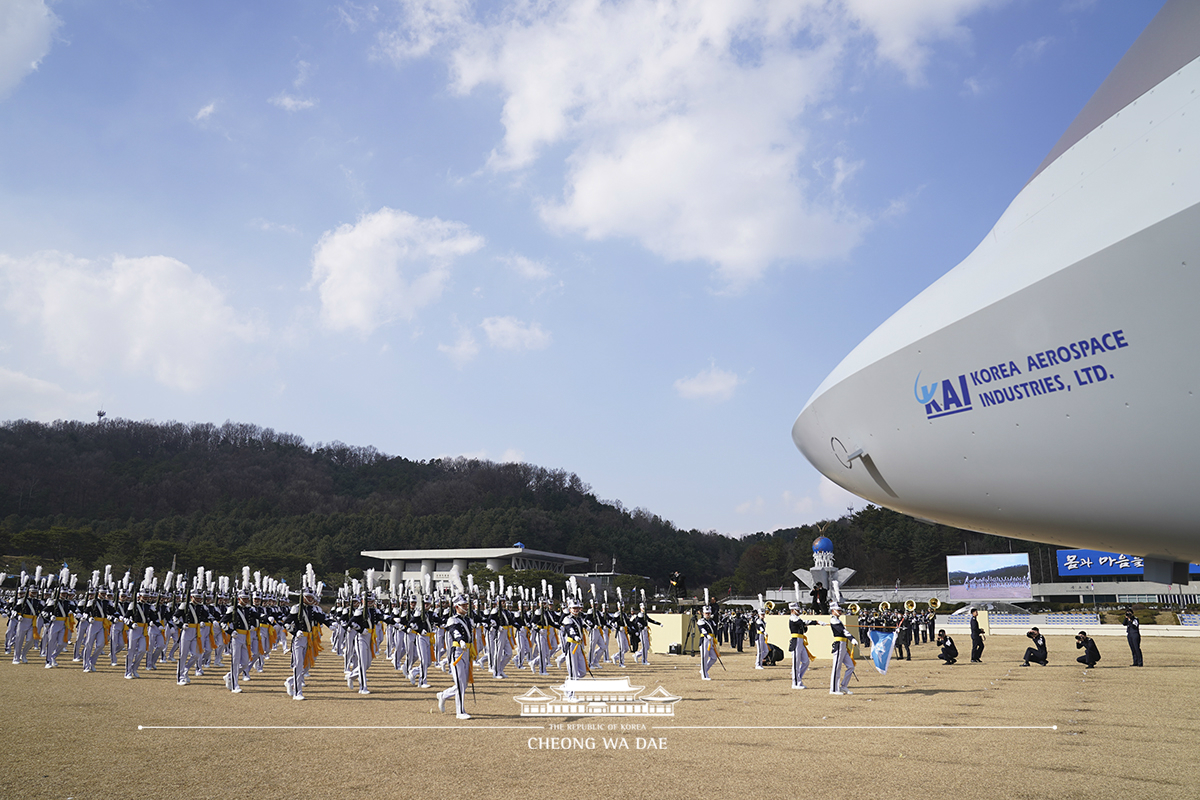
626 239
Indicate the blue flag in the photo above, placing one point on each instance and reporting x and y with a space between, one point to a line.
882 647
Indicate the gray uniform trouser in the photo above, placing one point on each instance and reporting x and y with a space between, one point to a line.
841 661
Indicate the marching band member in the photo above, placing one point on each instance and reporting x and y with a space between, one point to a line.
708 643
842 660
801 657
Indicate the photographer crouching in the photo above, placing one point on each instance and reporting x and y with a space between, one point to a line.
1091 654
1037 653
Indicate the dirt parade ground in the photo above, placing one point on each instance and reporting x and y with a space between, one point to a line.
988 730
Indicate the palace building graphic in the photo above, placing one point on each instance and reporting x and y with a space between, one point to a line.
613 698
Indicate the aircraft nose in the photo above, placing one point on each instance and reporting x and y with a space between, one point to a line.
838 451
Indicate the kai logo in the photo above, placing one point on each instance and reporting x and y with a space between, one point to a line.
944 398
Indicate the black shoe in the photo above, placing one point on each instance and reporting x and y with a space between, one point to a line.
1026 664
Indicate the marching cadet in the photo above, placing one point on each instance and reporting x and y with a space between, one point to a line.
421 622
239 622
572 632
362 641
505 633
188 617
619 622
138 616
99 614
708 642
304 622
842 660
524 656
117 633
156 645
55 612
459 638
644 621
545 622
801 657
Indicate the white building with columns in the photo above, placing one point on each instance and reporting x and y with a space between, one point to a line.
401 567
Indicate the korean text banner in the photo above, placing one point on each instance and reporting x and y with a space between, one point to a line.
1097 562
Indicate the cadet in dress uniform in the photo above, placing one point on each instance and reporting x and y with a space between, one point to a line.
1133 634
801 657
54 636
361 641
572 632
99 612
545 621
505 633
459 636
240 622
304 622
708 642
420 634
644 621
138 617
839 681
189 616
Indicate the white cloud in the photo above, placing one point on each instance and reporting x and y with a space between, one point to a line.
797 505
1032 51
205 112
266 226
835 497
510 333
905 30
150 314
463 350
708 384
685 122
25 397
388 265
428 23
26 33
754 506
512 456
289 103
525 267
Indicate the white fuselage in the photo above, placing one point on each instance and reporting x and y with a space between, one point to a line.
1048 387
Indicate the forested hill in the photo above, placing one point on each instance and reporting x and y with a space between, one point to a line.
135 494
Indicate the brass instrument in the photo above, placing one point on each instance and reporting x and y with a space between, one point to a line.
769 605
885 606
934 603
854 609
910 605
